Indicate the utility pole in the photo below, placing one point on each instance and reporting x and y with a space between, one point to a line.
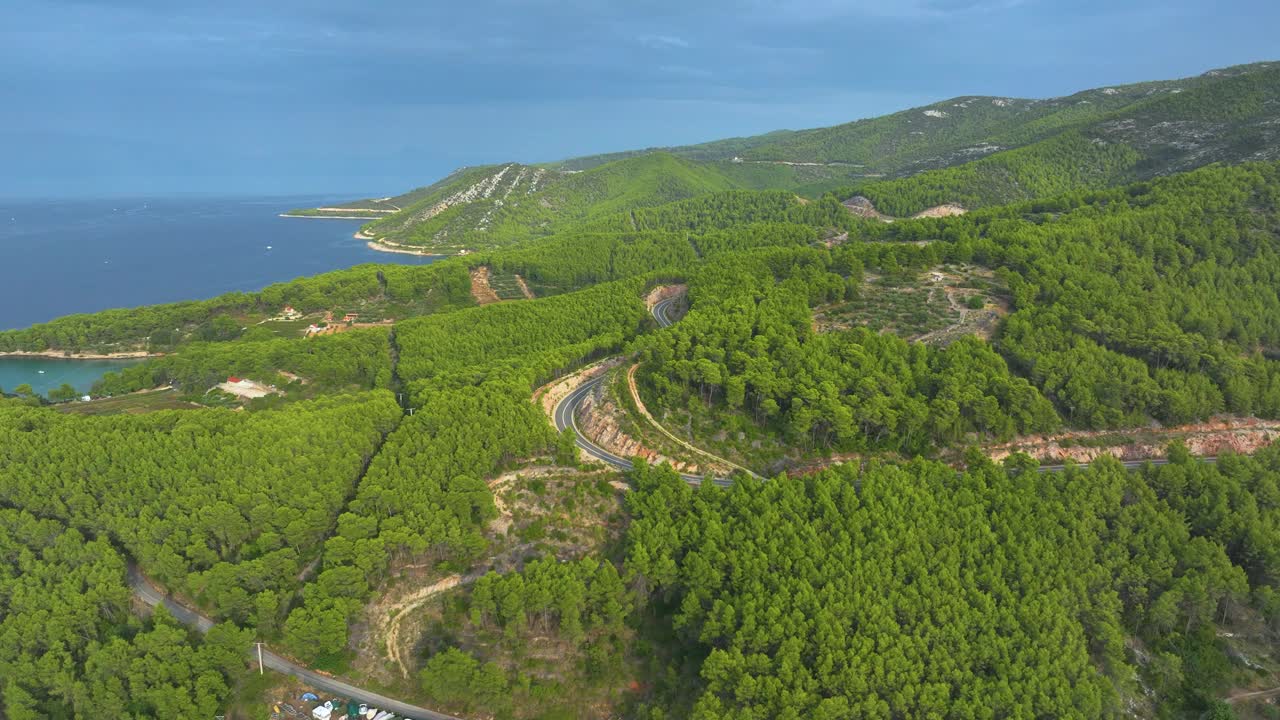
259 658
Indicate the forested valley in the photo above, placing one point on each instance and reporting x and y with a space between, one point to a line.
895 571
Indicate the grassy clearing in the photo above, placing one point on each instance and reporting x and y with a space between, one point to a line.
905 309
258 696
290 328
133 403
936 306
543 289
566 514
554 679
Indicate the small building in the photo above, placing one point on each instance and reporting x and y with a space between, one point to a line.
350 317
322 712
233 379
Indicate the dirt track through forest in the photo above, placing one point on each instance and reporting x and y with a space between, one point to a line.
480 289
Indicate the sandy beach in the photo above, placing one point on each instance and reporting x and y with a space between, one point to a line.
384 246
62 355
333 217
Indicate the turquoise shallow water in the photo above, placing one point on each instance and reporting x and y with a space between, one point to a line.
45 374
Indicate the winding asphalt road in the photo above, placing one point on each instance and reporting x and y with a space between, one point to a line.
662 312
149 594
565 413
153 596
567 409
566 417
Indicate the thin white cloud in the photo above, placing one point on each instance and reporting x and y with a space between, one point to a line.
815 10
663 42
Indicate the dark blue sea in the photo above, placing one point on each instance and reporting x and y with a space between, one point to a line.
71 256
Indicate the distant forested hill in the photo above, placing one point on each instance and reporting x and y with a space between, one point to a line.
970 151
1148 115
493 206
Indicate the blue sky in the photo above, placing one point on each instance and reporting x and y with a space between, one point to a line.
322 96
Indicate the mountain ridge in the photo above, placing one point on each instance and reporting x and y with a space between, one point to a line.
969 151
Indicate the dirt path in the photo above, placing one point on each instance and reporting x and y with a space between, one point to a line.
502 523
524 288
1259 695
961 311
644 412
400 609
480 289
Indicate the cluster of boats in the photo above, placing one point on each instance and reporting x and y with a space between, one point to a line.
334 709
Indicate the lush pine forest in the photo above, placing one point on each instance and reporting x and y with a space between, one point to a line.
897 573
913 591
72 647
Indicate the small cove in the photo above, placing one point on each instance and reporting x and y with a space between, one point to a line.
45 373
79 256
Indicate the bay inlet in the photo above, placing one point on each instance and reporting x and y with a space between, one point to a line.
63 257
45 373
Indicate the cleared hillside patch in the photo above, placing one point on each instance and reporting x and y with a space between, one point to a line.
507 286
937 306
481 290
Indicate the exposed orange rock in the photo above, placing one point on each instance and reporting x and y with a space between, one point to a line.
664 292
600 420
550 395
1220 435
